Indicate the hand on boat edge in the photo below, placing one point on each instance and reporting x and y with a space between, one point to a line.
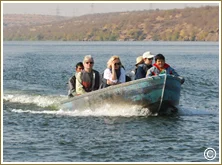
182 80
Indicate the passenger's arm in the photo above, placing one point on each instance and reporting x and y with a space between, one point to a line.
122 77
97 81
114 76
71 85
108 76
79 87
149 73
174 72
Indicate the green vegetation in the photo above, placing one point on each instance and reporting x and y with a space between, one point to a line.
189 24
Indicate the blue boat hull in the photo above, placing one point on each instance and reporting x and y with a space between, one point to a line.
157 93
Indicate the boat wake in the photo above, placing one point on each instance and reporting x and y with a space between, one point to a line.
38 104
102 111
43 101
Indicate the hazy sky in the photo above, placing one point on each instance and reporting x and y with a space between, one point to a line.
76 8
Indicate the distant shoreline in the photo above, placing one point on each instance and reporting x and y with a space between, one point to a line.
189 24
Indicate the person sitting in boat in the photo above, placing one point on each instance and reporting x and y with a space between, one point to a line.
139 60
114 73
72 80
160 67
88 79
143 67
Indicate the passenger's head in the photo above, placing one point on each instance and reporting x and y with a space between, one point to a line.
139 60
79 67
160 60
114 60
88 62
148 58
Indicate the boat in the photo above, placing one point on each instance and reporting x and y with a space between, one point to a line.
160 94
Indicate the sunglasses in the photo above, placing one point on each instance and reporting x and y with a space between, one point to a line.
117 64
150 59
89 62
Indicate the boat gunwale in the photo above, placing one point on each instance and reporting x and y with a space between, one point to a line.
102 90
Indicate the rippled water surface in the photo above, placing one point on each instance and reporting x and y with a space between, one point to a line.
35 129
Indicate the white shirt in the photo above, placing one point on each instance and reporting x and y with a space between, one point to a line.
108 75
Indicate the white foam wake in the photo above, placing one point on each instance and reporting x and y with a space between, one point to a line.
39 100
115 112
106 110
46 101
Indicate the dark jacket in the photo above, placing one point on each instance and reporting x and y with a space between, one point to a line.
141 71
72 86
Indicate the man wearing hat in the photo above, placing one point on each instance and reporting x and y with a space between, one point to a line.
142 68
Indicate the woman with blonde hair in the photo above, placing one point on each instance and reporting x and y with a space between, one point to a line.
114 73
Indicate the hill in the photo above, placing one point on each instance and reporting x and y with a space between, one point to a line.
11 20
189 24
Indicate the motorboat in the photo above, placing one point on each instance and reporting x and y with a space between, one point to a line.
159 94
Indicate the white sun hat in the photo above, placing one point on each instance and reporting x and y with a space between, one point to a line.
148 55
139 60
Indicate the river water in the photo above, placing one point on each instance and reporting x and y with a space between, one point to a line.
35 129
